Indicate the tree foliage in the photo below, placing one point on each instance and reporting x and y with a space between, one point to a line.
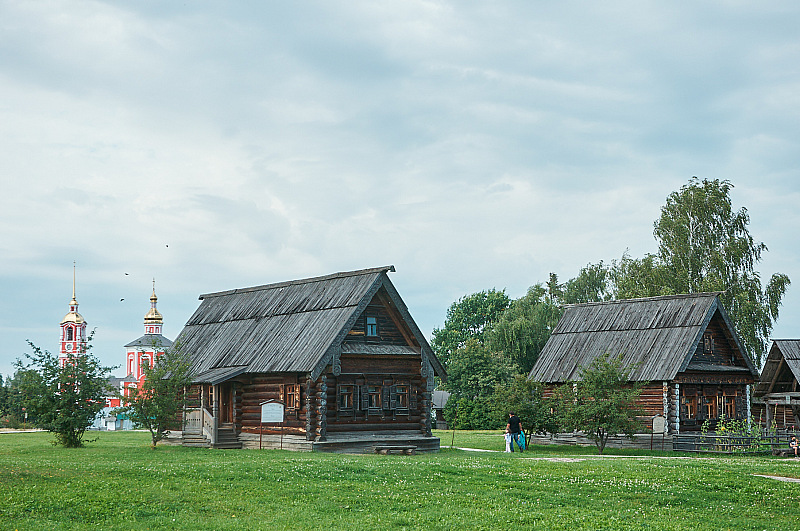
470 414
706 246
523 397
602 403
64 400
524 328
468 318
474 371
156 404
591 285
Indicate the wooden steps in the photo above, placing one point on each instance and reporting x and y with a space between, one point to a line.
226 440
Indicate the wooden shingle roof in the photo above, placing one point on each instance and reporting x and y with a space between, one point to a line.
783 351
288 326
657 336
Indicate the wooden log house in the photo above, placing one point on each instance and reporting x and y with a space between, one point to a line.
776 397
683 348
341 352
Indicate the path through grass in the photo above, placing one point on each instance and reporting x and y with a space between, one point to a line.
119 483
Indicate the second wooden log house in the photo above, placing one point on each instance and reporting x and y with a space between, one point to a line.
683 347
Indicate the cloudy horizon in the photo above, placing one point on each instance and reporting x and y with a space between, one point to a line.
472 146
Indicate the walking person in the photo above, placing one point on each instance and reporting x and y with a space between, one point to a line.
514 427
508 440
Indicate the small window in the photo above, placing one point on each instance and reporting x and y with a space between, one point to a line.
690 406
346 393
710 404
401 397
708 344
69 333
292 396
372 326
130 365
374 393
730 407
145 364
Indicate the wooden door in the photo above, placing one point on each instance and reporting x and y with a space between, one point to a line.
226 403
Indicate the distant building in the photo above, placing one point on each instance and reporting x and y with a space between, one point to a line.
141 352
73 329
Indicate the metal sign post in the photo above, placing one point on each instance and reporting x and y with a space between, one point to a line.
271 413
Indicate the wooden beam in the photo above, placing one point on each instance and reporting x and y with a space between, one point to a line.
399 323
775 376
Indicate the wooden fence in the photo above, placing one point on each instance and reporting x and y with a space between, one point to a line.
730 444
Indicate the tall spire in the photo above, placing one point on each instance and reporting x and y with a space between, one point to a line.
73 328
73 315
153 320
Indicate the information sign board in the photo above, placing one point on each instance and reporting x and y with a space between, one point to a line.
272 413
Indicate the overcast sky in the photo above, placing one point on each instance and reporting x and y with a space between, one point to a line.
473 145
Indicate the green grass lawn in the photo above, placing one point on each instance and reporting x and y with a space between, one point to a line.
119 483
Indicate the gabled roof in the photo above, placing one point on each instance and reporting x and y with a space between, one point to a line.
657 337
783 351
294 326
150 341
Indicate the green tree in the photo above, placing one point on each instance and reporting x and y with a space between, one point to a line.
468 318
523 397
64 399
633 278
602 403
470 414
524 328
706 246
156 404
474 371
591 285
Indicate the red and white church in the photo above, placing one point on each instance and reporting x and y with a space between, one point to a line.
138 354
141 352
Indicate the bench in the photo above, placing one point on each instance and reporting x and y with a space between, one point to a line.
400 449
783 452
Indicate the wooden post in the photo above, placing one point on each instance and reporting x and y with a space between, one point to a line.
322 408
215 427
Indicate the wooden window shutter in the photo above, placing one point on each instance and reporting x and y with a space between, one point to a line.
412 398
394 397
386 398
364 398
741 407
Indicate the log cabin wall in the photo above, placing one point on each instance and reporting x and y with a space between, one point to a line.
377 393
257 388
386 331
708 397
651 402
781 416
716 347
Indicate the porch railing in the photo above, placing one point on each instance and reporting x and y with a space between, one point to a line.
210 426
193 421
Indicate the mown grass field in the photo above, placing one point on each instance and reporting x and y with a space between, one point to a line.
119 483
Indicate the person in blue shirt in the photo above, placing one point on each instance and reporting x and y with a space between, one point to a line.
514 427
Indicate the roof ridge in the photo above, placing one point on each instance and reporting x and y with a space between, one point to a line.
342 274
644 299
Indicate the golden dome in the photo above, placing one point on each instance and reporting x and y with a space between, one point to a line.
73 317
153 316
